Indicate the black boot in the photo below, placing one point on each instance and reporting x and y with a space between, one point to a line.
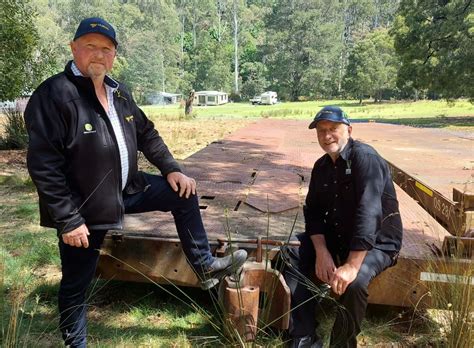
221 267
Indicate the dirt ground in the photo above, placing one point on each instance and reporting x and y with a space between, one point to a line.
12 162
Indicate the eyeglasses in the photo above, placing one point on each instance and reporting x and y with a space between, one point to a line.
106 51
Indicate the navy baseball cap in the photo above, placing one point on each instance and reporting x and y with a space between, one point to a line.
330 113
96 25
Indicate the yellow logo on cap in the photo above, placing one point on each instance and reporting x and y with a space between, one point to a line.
93 25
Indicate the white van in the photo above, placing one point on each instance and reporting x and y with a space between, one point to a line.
269 98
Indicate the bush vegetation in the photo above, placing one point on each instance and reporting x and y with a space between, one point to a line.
14 134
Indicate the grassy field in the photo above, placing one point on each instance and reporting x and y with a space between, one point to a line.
305 110
130 314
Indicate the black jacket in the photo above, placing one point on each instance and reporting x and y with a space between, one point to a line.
353 202
73 157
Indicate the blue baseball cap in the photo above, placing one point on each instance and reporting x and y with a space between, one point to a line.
96 25
330 113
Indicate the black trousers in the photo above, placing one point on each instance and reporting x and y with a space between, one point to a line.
79 264
300 266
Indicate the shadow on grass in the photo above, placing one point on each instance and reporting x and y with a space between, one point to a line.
128 313
396 324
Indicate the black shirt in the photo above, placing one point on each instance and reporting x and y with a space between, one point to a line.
353 203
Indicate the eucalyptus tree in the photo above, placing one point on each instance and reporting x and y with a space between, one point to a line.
383 12
213 65
372 66
52 51
434 39
247 21
203 29
235 22
357 18
254 76
18 39
300 45
253 70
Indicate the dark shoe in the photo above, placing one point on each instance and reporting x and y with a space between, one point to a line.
223 266
306 342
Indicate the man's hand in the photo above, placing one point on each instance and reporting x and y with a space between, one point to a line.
325 266
342 277
181 182
347 273
77 237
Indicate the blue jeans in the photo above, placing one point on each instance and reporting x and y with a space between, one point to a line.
354 300
79 264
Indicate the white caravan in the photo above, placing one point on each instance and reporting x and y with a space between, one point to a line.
269 98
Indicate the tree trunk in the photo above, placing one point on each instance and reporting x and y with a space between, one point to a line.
194 24
182 48
189 104
236 50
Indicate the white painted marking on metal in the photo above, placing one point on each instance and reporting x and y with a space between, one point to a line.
446 278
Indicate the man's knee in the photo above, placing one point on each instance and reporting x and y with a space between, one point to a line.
375 262
360 285
357 288
183 204
289 255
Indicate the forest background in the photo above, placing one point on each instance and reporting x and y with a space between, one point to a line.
302 49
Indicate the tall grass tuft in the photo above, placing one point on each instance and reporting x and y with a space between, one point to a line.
453 299
15 134
453 294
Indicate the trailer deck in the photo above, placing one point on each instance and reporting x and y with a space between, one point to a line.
252 185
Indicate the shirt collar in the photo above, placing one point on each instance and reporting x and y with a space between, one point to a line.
346 151
107 80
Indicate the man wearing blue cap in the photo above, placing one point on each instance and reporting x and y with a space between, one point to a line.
353 231
84 133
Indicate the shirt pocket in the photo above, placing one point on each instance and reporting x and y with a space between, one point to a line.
347 190
322 187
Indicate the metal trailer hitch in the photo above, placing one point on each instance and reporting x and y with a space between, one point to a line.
260 298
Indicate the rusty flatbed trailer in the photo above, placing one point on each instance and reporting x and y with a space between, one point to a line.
435 167
251 187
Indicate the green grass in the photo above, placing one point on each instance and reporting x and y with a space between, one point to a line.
306 110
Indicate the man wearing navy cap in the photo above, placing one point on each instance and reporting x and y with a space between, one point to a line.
84 134
353 231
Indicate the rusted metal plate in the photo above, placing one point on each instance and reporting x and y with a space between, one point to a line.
453 215
443 160
275 190
226 172
429 164
213 164
422 234
423 237
238 170
142 258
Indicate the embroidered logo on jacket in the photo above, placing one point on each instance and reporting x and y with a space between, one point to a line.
88 129
129 118
119 95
